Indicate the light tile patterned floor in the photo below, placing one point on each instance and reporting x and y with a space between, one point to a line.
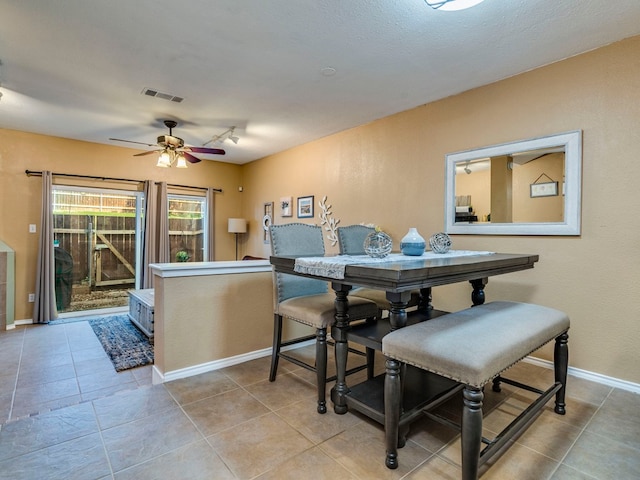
65 413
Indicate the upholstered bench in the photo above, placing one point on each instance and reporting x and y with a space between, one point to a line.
473 347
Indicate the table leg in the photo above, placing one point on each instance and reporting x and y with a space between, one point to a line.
425 300
339 334
477 296
398 302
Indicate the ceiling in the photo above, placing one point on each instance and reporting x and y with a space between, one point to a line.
77 69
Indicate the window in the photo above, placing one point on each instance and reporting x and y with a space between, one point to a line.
188 228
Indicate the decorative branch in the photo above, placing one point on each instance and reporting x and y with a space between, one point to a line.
330 224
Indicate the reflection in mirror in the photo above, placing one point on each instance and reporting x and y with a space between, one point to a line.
530 187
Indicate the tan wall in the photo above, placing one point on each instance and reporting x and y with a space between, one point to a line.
391 172
20 196
206 318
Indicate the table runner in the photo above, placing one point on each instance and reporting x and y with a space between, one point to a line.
334 267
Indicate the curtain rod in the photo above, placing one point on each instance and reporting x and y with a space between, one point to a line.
91 177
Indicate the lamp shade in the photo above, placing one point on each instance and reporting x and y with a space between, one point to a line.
237 225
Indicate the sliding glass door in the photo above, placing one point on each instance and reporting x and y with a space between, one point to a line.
97 243
98 235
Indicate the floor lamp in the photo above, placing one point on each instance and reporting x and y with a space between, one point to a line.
237 225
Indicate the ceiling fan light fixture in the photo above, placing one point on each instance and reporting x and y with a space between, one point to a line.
452 5
164 160
181 161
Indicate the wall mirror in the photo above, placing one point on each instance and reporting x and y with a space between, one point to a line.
529 187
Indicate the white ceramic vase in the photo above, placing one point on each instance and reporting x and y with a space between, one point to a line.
412 243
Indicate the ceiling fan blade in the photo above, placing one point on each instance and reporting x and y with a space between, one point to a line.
131 141
146 153
211 151
190 158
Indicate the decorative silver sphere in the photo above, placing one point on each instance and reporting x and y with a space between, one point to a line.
378 244
440 242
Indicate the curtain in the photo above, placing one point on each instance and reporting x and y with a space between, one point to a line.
149 238
44 308
155 243
211 224
162 225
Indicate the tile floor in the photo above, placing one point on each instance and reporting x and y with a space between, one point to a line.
66 414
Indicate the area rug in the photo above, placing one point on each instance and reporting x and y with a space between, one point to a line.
126 346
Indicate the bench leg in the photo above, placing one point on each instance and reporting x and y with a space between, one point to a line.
392 400
560 366
471 436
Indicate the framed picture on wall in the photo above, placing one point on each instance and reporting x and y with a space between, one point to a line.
286 207
305 207
547 189
267 220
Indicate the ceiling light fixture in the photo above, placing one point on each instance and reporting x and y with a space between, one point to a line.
181 161
164 160
170 157
452 5
227 134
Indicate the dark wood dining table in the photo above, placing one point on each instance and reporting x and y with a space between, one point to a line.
398 278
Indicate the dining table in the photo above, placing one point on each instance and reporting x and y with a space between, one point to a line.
397 275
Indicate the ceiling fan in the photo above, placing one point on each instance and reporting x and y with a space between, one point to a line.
173 150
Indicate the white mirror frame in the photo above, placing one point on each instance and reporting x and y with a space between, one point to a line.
572 142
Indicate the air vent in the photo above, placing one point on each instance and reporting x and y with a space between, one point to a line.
165 96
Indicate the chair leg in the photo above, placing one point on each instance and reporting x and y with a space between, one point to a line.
471 436
370 355
277 341
321 368
560 365
392 400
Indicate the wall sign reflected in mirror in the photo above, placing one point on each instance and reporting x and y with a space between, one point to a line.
530 187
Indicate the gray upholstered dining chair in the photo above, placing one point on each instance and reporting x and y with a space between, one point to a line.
308 301
351 242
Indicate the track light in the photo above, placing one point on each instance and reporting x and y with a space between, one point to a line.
227 134
451 5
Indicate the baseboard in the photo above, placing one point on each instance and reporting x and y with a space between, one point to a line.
159 377
591 376
26 321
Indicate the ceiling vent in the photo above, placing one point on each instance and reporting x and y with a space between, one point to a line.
150 92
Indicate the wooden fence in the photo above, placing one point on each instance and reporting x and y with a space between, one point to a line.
103 247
